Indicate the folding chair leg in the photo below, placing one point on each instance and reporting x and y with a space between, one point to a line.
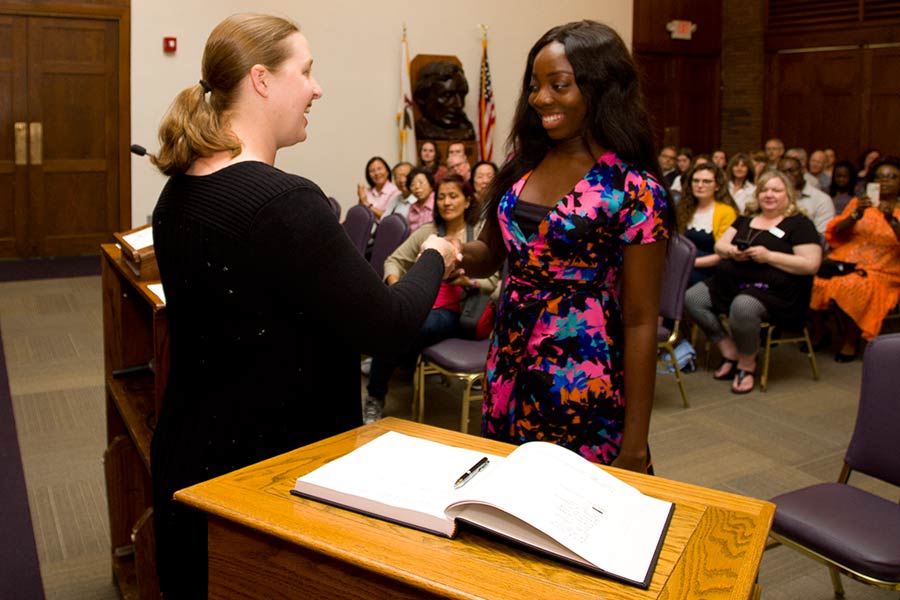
681 387
419 391
811 354
764 378
836 582
464 412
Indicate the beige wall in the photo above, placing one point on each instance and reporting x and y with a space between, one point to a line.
355 46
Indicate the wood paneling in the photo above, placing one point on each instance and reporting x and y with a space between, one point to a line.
64 74
844 99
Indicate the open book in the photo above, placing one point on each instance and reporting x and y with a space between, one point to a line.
541 495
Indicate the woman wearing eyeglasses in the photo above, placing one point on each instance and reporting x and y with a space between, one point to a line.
705 212
865 237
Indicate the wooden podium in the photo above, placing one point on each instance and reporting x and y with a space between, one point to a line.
136 357
265 543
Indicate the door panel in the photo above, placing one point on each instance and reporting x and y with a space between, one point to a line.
13 177
73 86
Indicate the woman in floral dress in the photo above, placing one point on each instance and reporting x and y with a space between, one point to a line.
581 216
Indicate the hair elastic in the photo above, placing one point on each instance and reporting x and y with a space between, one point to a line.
206 87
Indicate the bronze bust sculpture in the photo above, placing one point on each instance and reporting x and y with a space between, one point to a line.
440 93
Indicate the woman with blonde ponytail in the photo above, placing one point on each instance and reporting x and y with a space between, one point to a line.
269 303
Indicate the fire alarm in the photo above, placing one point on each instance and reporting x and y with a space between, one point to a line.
681 30
170 44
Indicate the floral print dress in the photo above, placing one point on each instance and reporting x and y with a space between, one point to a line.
555 367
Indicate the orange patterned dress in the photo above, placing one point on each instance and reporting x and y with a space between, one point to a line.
873 246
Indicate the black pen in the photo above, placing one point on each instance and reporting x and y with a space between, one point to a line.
465 477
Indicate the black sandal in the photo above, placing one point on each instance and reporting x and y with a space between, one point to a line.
729 373
741 374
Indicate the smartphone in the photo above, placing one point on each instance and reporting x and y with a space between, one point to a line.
742 244
873 191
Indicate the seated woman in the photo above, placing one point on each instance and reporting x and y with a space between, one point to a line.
740 175
380 193
760 163
866 160
869 237
420 212
768 260
482 174
843 185
457 219
704 213
430 160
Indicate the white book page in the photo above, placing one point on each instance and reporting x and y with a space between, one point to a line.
157 290
399 471
597 516
140 239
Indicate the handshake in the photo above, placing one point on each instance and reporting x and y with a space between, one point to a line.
451 252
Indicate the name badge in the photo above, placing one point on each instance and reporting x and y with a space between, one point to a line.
777 232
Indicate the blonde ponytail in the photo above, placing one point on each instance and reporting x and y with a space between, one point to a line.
195 125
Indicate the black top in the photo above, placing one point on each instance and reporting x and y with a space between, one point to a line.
785 296
269 306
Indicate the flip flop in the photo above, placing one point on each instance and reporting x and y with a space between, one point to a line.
729 374
741 374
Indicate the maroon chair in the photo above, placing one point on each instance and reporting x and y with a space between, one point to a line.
679 264
853 531
392 231
358 226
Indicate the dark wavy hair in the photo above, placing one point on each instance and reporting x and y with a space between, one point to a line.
687 206
740 157
386 166
615 117
481 163
472 214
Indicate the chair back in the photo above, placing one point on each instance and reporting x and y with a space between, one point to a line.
335 207
392 231
875 446
358 226
679 264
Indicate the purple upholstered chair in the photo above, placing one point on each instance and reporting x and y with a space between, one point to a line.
453 357
679 264
335 207
391 232
358 226
850 530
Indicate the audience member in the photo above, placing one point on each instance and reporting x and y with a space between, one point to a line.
740 176
843 185
381 191
482 175
667 158
817 205
402 201
580 215
720 159
866 238
456 218
420 212
760 163
800 155
817 169
269 304
430 160
704 213
456 149
774 151
459 165
768 260
684 161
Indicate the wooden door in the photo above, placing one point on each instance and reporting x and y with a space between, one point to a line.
60 77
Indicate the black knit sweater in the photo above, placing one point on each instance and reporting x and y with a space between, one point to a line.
269 306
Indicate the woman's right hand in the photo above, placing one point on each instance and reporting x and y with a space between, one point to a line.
361 194
448 252
863 202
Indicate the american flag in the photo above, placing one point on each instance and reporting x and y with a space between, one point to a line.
486 113
405 107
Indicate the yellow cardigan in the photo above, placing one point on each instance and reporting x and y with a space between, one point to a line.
723 217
